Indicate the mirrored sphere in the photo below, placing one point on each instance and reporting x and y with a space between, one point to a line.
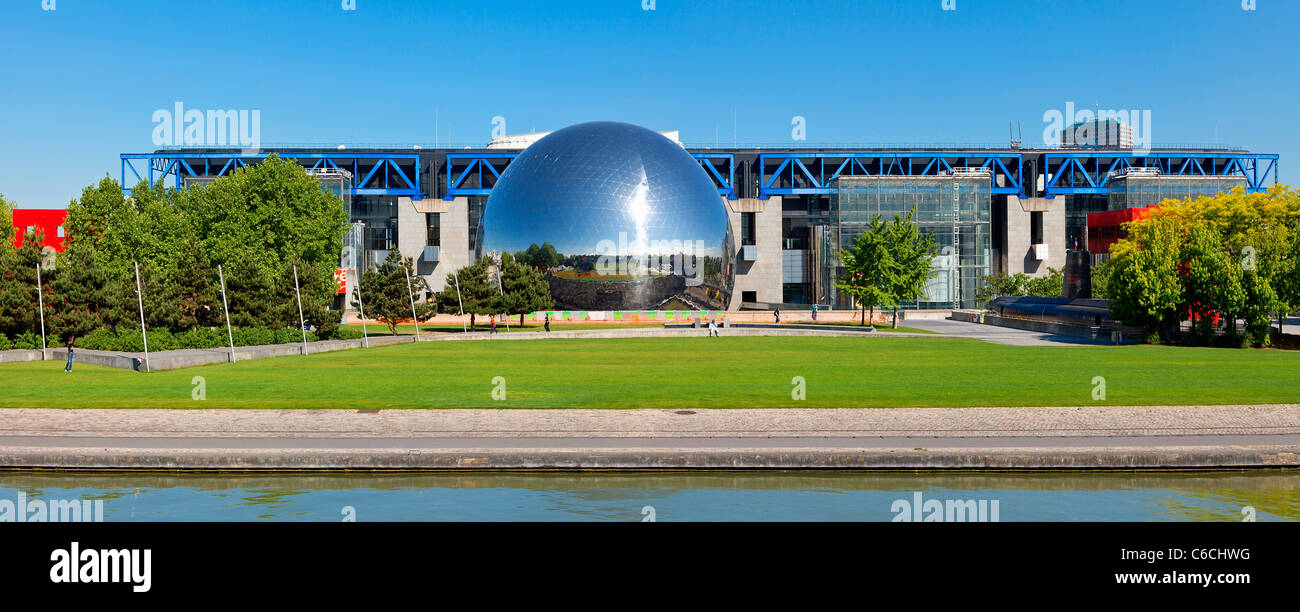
631 219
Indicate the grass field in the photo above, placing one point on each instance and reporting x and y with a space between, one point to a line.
481 325
670 373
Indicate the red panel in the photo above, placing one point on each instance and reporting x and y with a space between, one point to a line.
47 220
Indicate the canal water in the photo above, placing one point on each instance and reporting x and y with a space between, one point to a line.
693 496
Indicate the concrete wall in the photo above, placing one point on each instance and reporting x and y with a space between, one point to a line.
412 235
762 276
1018 256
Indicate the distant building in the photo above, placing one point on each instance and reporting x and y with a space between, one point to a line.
1102 132
45 221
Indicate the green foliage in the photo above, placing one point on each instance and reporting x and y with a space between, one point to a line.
1101 278
27 340
387 290
525 289
478 292
19 305
866 265
4 343
84 296
912 254
1019 284
6 223
253 336
1144 287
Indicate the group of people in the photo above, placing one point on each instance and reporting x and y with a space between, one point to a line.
493 321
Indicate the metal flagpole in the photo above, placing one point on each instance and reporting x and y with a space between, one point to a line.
502 292
139 296
365 338
460 304
40 299
302 325
411 295
226 309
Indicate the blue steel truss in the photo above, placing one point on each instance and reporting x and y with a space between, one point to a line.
1091 172
372 173
815 173
471 174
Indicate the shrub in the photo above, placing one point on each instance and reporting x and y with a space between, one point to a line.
99 340
162 340
287 336
253 336
27 340
202 338
4 343
346 333
129 340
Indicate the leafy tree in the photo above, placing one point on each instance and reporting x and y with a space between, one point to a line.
386 294
911 257
6 223
195 286
544 257
19 304
525 289
315 306
250 296
867 267
84 296
1144 287
1210 278
478 293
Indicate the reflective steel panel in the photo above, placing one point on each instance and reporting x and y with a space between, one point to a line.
637 223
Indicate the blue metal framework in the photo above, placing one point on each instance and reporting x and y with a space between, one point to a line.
372 173
1091 172
815 173
471 174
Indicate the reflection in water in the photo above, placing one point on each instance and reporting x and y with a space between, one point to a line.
707 496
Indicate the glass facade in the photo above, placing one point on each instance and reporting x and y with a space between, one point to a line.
1140 192
954 210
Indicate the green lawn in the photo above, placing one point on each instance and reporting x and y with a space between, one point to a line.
694 372
481 325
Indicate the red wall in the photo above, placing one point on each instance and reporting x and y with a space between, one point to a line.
48 220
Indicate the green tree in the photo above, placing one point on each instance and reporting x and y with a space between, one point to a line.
525 289
1144 287
911 260
18 301
6 223
250 296
1210 278
386 294
194 284
867 267
478 292
85 296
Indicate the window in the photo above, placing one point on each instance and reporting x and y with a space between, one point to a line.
60 231
433 229
749 296
1035 228
747 230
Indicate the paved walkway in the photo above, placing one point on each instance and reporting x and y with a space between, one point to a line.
909 438
997 334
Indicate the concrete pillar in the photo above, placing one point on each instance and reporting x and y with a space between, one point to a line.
1019 255
412 235
763 274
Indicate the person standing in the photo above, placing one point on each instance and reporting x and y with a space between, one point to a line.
777 313
494 325
713 327
547 324
68 367
814 312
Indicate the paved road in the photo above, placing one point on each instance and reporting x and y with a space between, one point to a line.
657 442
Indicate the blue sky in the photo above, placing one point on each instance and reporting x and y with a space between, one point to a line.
80 83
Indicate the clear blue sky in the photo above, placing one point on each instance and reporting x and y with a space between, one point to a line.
79 84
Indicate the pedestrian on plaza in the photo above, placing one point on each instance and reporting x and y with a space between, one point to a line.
713 327
494 324
548 322
777 313
68 368
814 312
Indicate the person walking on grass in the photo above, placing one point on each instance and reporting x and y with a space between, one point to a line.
68 367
